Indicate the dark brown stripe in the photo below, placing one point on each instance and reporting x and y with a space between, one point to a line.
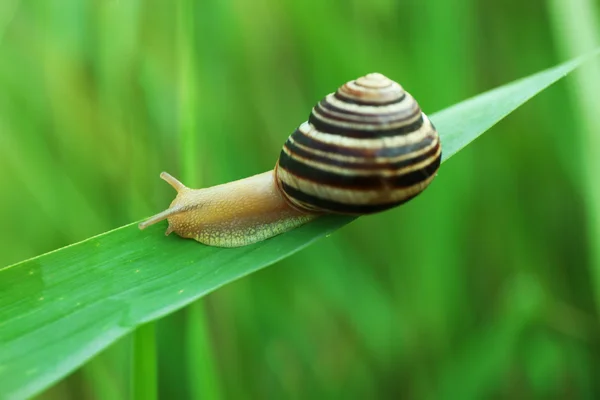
325 127
382 117
363 121
340 96
336 207
369 162
391 152
357 182
307 141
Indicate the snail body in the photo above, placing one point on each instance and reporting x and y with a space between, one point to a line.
232 214
365 148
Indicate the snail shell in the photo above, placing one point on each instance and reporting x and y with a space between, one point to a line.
365 148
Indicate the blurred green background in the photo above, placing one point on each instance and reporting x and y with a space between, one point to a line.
483 287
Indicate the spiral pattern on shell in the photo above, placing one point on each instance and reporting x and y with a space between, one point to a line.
365 148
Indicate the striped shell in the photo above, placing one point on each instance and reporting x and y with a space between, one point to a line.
365 148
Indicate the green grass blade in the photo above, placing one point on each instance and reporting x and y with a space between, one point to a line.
200 364
144 380
459 125
201 370
576 27
60 309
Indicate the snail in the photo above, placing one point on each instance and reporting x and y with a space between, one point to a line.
366 148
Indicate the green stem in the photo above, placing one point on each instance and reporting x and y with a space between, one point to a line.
188 101
144 379
200 363
576 31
